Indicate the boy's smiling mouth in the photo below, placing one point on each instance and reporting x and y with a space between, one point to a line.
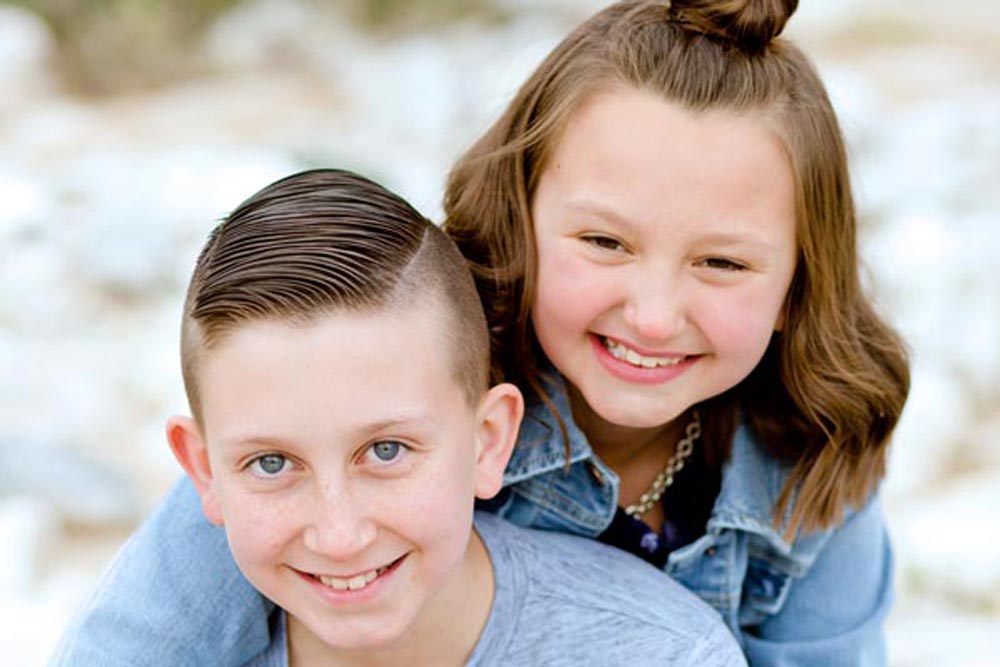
357 581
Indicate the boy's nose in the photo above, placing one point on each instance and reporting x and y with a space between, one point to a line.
340 526
654 309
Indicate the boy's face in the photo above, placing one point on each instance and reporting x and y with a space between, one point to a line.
343 459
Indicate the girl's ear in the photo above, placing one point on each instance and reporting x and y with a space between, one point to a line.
191 452
498 420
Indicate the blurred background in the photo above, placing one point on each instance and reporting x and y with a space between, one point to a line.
128 128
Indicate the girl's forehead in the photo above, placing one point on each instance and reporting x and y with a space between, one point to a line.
641 137
636 110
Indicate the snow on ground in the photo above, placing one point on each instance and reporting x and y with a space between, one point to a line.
105 203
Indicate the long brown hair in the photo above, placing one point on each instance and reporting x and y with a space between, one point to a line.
829 390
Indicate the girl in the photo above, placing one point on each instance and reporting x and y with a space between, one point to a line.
663 235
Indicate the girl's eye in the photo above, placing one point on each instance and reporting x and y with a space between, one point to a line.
603 242
387 450
269 465
723 264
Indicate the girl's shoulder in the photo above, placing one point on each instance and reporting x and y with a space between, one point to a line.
752 482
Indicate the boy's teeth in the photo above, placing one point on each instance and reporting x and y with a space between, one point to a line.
354 583
619 351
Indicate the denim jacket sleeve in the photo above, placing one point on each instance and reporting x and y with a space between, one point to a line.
833 615
172 596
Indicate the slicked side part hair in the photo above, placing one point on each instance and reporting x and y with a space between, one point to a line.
324 241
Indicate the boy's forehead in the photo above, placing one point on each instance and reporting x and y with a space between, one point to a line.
407 340
338 380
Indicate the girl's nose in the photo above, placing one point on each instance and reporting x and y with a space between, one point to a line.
340 525
655 306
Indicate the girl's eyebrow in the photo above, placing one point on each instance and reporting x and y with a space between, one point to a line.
601 211
735 239
743 240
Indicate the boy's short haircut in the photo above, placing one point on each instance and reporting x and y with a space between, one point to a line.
326 240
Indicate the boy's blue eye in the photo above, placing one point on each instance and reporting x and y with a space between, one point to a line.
387 450
270 464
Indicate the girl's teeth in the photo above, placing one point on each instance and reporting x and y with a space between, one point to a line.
619 351
335 583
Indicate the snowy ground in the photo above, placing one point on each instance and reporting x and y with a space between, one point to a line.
103 205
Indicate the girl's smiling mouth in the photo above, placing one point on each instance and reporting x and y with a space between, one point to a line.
625 353
628 364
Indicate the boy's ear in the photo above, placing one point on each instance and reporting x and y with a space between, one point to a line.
191 452
498 419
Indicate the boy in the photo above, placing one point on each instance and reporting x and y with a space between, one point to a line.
336 360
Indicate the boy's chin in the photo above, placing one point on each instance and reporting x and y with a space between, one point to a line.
366 635
364 641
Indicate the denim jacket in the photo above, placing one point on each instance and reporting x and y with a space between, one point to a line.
174 596
818 601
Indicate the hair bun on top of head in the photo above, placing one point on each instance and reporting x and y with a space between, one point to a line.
750 25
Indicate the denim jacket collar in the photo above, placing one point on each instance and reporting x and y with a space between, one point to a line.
751 479
540 446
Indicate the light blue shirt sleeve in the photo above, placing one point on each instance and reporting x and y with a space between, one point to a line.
834 616
172 596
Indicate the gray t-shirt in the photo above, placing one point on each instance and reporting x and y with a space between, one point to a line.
565 601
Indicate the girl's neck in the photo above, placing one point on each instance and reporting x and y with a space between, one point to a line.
445 632
622 447
637 455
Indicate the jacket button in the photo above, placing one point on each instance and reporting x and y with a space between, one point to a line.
710 552
595 472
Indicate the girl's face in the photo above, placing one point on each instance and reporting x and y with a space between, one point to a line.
666 245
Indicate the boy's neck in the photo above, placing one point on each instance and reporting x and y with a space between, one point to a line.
445 632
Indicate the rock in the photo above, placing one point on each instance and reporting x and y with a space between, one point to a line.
942 541
64 484
935 417
933 633
26 54
27 527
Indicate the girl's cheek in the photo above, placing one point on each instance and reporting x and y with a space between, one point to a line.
566 273
743 322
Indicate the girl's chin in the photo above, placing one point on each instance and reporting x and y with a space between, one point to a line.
628 417
620 412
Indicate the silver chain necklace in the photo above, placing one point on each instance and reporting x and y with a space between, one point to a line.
674 466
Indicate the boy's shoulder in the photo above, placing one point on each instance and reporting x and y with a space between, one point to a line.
585 603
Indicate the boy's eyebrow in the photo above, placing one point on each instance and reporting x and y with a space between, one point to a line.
387 424
254 441
416 417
